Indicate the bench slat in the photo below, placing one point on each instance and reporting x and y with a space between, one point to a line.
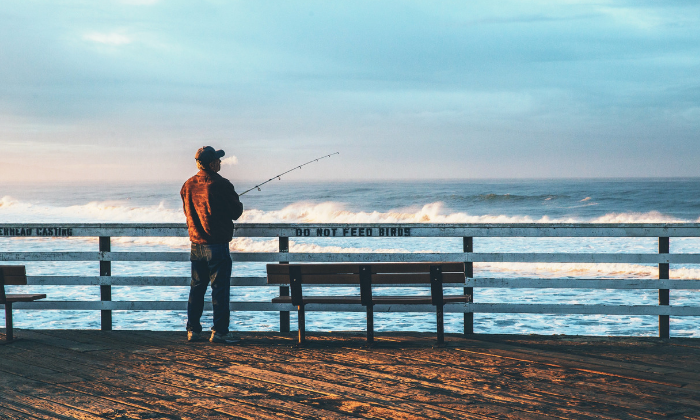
321 299
377 300
15 280
13 270
377 268
315 268
354 279
24 297
389 268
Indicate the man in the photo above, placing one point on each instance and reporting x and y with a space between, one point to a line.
211 205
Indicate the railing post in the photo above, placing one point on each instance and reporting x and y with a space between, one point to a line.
664 322
468 246
105 290
284 290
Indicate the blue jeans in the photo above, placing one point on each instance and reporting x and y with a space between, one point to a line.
210 263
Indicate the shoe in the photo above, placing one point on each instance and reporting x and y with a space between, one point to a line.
194 336
224 338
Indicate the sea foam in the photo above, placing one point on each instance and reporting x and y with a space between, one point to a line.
16 211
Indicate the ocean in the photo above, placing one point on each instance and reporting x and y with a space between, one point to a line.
477 201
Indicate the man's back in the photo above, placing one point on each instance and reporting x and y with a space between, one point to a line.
211 204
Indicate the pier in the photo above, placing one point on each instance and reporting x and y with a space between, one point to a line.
57 374
106 374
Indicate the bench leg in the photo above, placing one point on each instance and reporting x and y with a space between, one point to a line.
8 321
440 324
302 323
370 324
284 315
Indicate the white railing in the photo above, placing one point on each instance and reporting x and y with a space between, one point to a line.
285 231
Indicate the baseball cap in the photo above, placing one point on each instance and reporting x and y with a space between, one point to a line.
207 154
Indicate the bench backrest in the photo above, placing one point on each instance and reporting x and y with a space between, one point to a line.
382 273
435 274
11 275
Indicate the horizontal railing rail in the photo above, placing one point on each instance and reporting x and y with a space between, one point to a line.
492 257
531 308
105 257
504 282
346 230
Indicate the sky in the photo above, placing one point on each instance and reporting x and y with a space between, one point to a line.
127 91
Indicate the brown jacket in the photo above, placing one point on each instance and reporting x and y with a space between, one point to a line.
211 205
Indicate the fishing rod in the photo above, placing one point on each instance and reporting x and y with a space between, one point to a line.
284 173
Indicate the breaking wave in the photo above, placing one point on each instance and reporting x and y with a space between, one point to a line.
333 212
15 211
554 270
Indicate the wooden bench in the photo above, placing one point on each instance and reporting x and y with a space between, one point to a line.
365 275
13 275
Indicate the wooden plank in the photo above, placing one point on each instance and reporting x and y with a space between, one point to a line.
355 300
93 229
87 400
24 297
416 267
225 359
588 353
42 403
190 368
13 271
471 257
373 383
130 384
15 280
132 281
463 378
508 375
434 360
581 283
505 282
164 281
49 256
12 275
351 279
447 278
354 279
416 229
562 309
583 309
438 384
593 258
379 300
309 269
13 408
426 364
485 229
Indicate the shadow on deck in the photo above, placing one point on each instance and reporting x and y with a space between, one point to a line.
72 374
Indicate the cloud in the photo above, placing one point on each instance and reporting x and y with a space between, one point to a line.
108 39
512 89
232 160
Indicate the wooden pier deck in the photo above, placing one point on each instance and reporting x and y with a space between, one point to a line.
52 374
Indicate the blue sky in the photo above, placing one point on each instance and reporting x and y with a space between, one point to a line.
128 90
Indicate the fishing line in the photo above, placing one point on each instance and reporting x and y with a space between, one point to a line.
286 172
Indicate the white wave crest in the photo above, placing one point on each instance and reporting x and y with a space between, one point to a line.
15 211
272 245
12 210
583 270
333 212
649 217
